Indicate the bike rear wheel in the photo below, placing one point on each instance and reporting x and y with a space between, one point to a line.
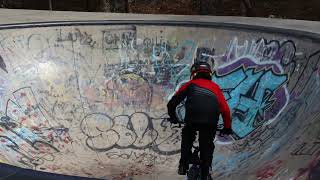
193 173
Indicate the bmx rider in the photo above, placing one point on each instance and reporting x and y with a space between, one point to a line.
204 104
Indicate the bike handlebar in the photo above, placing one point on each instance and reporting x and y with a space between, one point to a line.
181 124
218 129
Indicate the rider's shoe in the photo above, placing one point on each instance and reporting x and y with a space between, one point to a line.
182 170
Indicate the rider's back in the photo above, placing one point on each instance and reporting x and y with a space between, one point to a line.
202 104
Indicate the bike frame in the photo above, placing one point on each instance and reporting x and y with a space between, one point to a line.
195 158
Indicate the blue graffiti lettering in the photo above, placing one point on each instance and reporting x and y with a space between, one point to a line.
249 95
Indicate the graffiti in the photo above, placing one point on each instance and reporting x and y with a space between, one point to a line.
167 60
163 64
27 131
279 132
129 89
139 157
16 47
255 88
281 128
298 67
149 73
307 149
83 37
149 43
107 98
136 131
205 55
30 155
37 43
303 77
176 52
119 38
312 172
50 94
161 55
3 65
269 169
257 141
262 50
250 93
222 164
3 87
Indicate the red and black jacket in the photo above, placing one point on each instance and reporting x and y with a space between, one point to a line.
205 102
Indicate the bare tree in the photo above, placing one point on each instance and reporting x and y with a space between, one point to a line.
98 5
216 7
11 4
207 6
119 6
247 8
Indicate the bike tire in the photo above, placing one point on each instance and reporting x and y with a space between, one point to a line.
193 173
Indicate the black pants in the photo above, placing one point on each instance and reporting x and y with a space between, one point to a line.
206 136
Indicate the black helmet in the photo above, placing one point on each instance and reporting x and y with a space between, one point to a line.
199 66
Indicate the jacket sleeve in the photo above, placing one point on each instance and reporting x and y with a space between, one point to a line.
224 109
178 97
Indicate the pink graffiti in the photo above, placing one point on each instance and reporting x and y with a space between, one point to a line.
269 170
308 170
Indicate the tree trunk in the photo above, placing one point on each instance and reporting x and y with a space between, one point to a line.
119 6
17 4
207 7
247 9
99 5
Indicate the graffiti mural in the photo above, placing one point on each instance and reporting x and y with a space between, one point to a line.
77 97
28 132
256 94
137 131
269 170
254 88
312 172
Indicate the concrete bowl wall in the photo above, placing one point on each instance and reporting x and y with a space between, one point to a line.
85 93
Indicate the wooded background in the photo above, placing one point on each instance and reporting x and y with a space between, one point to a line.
291 9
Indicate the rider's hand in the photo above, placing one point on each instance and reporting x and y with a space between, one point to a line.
226 131
173 120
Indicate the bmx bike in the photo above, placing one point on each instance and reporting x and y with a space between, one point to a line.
193 173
